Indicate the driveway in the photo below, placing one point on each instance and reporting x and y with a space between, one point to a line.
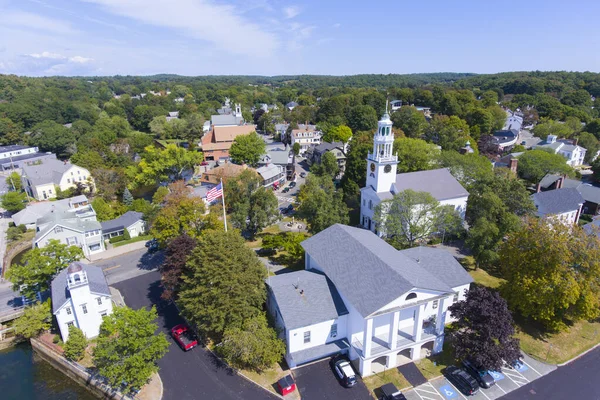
196 374
317 382
529 139
130 265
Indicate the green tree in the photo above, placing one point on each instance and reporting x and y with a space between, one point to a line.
535 164
76 344
410 217
247 149
451 133
555 269
128 348
321 205
362 118
549 127
327 167
340 133
489 98
127 197
13 181
415 155
159 196
482 120
13 201
161 165
468 169
296 148
225 286
411 121
35 320
106 211
52 136
10 132
253 346
589 142
40 265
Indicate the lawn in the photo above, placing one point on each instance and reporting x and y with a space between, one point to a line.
391 375
559 347
432 366
132 240
257 242
268 378
485 279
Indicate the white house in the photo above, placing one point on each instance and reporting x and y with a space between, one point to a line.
78 206
80 297
360 296
383 182
563 204
572 152
395 105
40 179
306 136
132 221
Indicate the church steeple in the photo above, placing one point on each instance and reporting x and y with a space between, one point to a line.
381 163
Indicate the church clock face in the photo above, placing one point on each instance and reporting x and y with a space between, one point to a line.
372 167
387 168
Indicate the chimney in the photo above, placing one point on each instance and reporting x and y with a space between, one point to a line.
538 188
512 165
560 182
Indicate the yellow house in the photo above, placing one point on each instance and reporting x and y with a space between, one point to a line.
41 179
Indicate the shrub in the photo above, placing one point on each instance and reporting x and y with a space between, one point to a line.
56 339
116 239
126 235
76 344
22 228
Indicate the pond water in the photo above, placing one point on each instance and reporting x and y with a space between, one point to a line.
23 375
17 259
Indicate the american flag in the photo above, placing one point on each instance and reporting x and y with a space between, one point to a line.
215 193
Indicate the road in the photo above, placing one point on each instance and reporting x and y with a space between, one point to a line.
576 380
130 265
196 374
529 139
288 198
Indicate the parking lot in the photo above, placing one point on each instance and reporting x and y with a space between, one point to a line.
317 382
507 380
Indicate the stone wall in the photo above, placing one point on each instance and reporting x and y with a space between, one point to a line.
75 371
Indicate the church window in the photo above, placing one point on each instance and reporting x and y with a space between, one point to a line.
370 205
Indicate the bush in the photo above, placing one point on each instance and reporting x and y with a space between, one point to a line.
116 239
76 344
13 234
56 339
126 235
22 228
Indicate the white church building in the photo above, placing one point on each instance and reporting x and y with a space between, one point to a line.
80 297
383 182
360 296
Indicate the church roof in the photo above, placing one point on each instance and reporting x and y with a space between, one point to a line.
438 182
60 292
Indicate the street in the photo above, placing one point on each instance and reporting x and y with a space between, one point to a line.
196 374
130 265
288 198
527 137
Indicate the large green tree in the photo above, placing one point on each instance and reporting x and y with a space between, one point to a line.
340 133
128 348
225 285
415 155
53 137
40 265
13 201
321 205
34 321
362 118
411 121
551 273
535 164
411 217
76 344
451 133
247 149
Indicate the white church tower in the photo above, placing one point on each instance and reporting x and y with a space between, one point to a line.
381 171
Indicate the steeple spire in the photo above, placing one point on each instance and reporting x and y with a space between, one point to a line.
386 105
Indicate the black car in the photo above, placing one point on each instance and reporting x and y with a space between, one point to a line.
292 184
462 380
303 175
481 375
390 392
289 208
343 371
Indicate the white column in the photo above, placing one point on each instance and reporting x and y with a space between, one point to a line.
367 337
393 334
418 327
440 320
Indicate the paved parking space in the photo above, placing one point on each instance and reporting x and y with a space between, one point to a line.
317 382
507 380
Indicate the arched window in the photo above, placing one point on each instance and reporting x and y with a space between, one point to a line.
411 296
77 278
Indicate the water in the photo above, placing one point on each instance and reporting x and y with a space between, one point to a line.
18 257
25 376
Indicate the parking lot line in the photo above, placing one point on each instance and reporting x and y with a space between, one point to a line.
500 387
531 368
429 385
516 382
457 391
483 393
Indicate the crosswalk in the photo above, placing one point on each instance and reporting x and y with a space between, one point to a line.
286 199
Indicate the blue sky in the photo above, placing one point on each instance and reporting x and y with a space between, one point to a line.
274 37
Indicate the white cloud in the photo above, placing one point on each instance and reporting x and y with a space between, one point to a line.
337 25
221 25
21 19
47 54
291 11
80 60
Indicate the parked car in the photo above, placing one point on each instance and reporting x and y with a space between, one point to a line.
343 371
286 385
289 209
265 252
482 376
184 336
286 189
390 392
292 184
462 380
524 142
303 175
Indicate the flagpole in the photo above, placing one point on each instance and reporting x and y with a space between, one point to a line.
223 198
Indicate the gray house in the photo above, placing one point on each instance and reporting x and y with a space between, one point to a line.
315 154
79 206
133 221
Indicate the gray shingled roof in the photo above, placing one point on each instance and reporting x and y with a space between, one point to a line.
438 182
365 269
60 292
557 201
124 221
593 227
314 300
588 191
33 211
440 264
326 146
49 171
227 119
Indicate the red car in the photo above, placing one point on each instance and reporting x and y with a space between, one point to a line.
184 336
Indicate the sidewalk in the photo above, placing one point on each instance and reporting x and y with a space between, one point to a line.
117 251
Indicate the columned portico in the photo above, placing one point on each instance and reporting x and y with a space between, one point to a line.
418 326
441 316
393 334
368 337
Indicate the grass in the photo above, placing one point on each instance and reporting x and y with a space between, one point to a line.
25 237
483 278
432 366
257 242
267 378
391 375
132 240
559 347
